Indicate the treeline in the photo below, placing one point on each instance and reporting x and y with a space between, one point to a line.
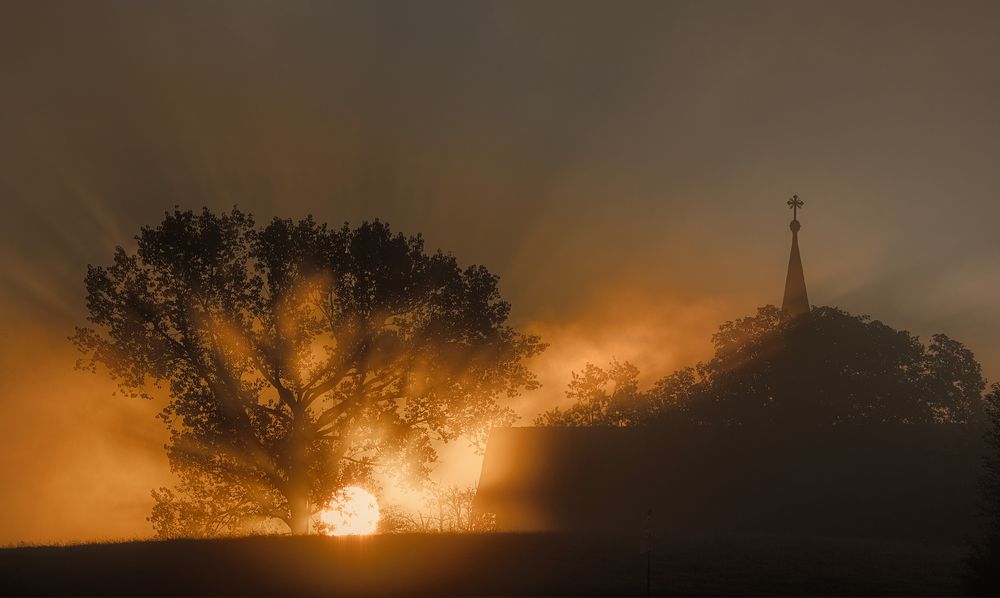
824 367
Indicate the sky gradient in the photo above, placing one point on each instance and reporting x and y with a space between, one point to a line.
622 166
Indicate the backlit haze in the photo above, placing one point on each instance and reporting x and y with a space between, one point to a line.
622 166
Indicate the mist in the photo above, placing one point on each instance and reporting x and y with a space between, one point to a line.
622 168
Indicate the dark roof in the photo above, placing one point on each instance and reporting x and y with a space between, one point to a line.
891 481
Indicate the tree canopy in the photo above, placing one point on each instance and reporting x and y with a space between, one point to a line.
822 367
297 357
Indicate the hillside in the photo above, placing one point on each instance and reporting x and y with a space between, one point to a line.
489 564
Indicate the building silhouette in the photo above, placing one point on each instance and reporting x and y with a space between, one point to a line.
892 481
897 482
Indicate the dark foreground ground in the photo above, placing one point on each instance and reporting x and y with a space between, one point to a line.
479 565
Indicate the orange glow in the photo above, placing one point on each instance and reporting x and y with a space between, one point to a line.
353 512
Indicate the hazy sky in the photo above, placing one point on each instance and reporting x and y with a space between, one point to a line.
622 166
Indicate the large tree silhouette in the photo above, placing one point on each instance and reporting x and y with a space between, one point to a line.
823 367
297 357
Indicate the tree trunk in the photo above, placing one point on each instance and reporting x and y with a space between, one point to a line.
298 502
298 478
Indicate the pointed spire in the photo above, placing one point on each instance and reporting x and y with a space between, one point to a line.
796 301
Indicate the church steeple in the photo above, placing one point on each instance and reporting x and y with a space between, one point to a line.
796 301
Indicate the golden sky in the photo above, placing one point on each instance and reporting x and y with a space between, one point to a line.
622 166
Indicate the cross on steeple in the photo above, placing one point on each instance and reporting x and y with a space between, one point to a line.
794 204
796 301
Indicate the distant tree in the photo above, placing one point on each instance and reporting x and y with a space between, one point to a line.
982 576
446 510
611 397
601 397
823 367
296 358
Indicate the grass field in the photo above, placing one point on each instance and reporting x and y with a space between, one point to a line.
487 564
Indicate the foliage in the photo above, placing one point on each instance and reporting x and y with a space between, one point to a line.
446 510
601 397
297 358
823 367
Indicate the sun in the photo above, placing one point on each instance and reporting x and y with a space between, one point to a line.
353 511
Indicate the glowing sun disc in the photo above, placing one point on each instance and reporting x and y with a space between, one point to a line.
353 511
